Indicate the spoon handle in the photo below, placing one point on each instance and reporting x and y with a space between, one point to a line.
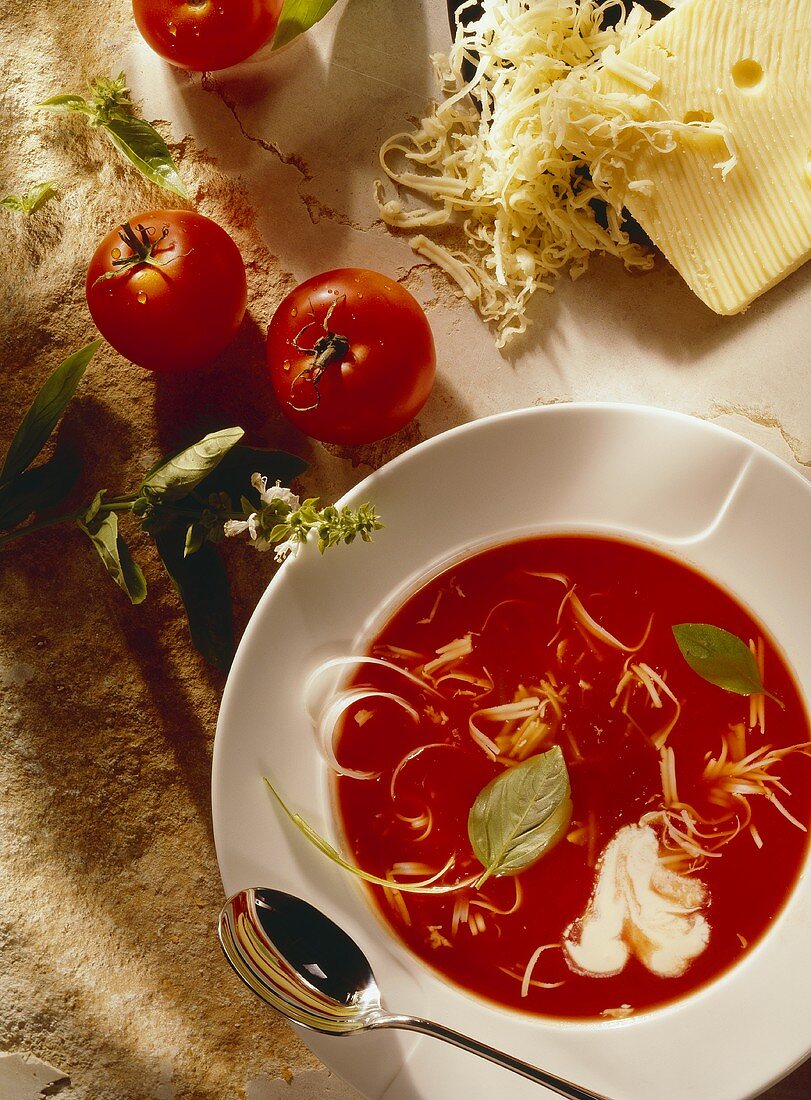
438 1031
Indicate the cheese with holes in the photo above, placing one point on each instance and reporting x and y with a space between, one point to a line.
733 219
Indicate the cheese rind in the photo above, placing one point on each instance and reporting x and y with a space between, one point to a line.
746 64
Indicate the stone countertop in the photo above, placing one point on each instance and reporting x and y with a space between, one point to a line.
112 986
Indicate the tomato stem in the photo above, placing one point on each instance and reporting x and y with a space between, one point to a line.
328 348
143 249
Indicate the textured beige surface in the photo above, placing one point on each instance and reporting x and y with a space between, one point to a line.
108 881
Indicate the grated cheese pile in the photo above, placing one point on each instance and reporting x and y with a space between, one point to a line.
517 154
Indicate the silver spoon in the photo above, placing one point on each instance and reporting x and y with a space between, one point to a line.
311 971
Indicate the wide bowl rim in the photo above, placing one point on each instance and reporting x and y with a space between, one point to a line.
366 489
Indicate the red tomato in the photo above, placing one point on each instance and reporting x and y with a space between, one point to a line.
206 34
351 356
167 289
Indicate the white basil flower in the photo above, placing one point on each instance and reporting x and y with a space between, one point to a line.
290 547
275 492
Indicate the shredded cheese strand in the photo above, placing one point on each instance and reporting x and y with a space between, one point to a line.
516 158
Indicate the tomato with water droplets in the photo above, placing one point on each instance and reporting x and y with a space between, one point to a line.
351 356
206 34
167 289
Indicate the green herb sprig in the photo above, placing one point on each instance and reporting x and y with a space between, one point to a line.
23 490
185 503
31 200
430 885
109 107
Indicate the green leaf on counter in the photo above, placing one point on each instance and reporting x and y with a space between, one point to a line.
202 583
297 17
134 581
115 554
66 103
176 477
521 814
195 537
93 508
720 658
44 414
32 200
144 147
110 108
34 490
233 474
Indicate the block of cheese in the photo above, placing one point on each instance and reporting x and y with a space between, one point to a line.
747 64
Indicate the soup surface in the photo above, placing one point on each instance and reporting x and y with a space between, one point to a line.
687 824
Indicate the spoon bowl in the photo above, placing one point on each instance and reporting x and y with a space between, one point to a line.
308 969
299 961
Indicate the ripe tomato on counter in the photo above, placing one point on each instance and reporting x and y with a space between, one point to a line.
167 289
206 34
351 356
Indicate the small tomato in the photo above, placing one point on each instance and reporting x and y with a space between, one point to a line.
206 34
351 356
167 289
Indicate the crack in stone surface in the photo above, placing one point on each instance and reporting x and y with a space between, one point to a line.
295 161
763 420
318 211
56 1088
405 277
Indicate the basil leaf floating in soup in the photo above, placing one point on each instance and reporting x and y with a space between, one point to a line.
720 658
521 814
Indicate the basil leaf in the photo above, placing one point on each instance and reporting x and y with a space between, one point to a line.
93 508
521 814
298 16
115 555
134 581
110 108
36 489
66 102
30 201
143 146
202 582
195 537
233 475
42 417
175 477
719 657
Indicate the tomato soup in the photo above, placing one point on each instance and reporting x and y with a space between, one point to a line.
565 645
